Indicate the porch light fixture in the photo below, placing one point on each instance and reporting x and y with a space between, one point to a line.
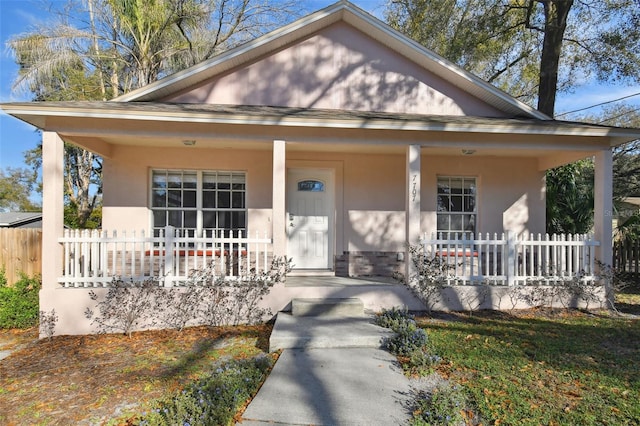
188 142
468 151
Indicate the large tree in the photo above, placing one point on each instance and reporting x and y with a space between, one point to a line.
570 187
99 49
15 187
530 48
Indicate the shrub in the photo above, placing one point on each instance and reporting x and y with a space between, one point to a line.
431 276
125 307
130 305
421 363
177 306
408 339
393 318
213 400
48 321
233 302
19 303
446 405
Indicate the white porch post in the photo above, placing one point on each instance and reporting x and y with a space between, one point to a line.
603 211
52 208
279 189
412 207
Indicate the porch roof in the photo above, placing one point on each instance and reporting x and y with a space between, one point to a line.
44 114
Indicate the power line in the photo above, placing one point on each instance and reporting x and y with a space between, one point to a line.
618 116
600 104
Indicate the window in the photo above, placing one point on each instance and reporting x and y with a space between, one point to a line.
199 201
456 206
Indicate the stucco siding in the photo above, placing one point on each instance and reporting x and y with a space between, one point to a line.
510 191
338 68
370 212
127 178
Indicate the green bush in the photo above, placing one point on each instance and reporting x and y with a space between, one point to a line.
19 303
409 342
446 405
393 318
409 337
213 400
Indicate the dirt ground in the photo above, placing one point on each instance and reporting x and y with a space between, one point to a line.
94 379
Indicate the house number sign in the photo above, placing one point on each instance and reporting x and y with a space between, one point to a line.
414 190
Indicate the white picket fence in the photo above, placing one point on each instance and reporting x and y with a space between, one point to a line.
92 258
508 259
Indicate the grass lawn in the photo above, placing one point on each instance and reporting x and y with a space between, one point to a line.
543 367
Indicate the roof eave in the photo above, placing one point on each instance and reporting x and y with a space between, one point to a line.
36 114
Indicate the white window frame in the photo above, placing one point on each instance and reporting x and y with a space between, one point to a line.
199 230
467 216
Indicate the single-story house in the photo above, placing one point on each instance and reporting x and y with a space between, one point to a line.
335 141
20 220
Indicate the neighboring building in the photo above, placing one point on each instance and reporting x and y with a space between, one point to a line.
20 220
336 138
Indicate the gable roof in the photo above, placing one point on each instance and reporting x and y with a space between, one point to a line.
299 30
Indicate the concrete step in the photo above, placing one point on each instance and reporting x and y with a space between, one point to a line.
304 332
332 308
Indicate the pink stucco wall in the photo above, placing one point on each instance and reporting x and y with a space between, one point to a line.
338 68
369 190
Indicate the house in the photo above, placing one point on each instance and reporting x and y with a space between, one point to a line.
335 141
20 220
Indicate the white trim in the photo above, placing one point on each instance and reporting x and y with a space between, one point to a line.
501 126
328 176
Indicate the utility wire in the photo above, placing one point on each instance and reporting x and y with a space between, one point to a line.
597 105
618 116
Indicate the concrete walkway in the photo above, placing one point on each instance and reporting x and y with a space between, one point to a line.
316 384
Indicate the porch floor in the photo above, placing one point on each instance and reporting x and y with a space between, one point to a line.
333 281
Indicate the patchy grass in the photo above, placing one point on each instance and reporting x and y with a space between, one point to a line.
95 379
541 366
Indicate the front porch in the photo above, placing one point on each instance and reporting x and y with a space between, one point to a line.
95 258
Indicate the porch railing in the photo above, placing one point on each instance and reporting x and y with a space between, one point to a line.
92 258
508 259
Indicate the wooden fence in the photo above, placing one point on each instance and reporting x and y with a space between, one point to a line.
626 256
20 251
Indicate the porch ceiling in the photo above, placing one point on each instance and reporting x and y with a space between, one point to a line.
319 145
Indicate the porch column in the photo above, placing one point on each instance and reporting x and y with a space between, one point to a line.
278 205
52 208
412 206
603 211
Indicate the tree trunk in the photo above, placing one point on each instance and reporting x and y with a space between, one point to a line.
555 13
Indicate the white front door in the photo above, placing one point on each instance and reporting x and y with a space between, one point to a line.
310 215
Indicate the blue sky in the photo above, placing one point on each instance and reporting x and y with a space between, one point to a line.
17 16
